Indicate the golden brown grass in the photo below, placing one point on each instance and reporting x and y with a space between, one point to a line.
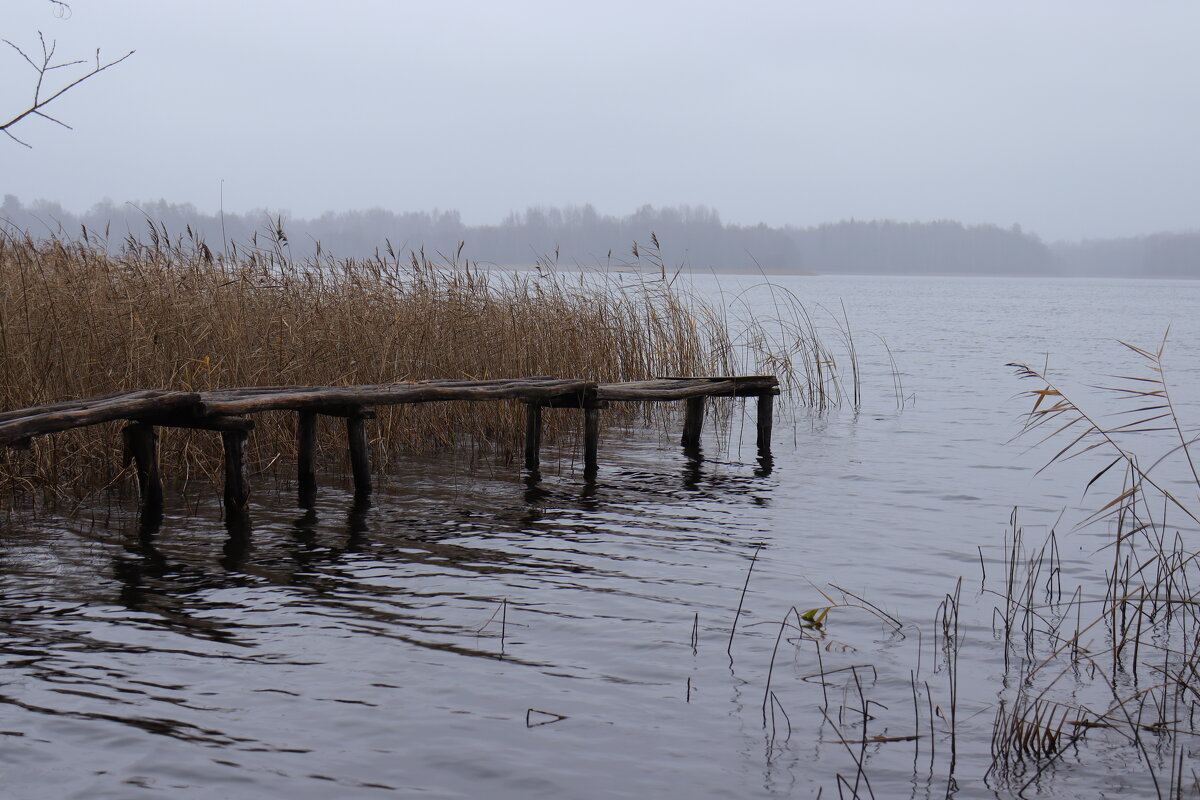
80 319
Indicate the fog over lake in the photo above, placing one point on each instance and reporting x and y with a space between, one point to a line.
1075 120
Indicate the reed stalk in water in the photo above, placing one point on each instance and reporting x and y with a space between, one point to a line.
1147 665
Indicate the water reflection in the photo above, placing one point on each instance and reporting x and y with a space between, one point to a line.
153 585
237 545
462 574
693 470
356 524
766 464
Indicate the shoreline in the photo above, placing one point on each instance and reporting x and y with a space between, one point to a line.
634 270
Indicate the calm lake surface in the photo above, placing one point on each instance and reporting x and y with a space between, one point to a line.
474 634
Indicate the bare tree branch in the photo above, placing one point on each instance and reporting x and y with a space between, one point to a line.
43 66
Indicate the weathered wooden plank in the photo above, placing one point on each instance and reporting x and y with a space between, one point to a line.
393 394
764 377
141 446
188 420
106 410
693 422
238 391
67 405
670 389
576 400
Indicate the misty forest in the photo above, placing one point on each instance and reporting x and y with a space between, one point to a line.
694 238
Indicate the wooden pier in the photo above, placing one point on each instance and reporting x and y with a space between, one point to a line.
226 412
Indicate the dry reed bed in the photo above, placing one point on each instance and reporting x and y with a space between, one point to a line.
81 318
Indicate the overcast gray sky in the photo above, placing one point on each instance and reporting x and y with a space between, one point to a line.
1074 119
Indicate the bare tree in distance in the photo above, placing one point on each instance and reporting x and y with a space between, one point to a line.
45 66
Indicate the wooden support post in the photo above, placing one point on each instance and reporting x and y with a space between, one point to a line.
533 436
237 487
306 446
141 445
591 435
360 455
693 422
766 401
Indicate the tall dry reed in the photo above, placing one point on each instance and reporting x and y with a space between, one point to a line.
1115 664
84 318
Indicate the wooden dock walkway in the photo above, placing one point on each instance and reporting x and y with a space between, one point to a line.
225 411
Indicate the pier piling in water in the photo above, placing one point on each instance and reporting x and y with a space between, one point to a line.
360 455
766 403
306 453
533 436
591 435
141 446
693 422
237 487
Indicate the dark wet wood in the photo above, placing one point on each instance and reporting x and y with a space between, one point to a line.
306 453
533 436
51 419
693 422
237 486
766 403
187 420
67 405
360 455
141 447
591 435
683 388
229 402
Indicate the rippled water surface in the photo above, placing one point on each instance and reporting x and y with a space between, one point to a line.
475 634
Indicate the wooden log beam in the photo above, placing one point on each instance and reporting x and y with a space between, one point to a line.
392 394
252 391
141 447
185 420
683 388
360 456
306 451
39 422
579 400
693 422
68 405
533 436
237 486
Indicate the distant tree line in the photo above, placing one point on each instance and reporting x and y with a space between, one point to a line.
693 238
1158 255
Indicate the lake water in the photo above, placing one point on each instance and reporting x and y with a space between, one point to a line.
474 634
